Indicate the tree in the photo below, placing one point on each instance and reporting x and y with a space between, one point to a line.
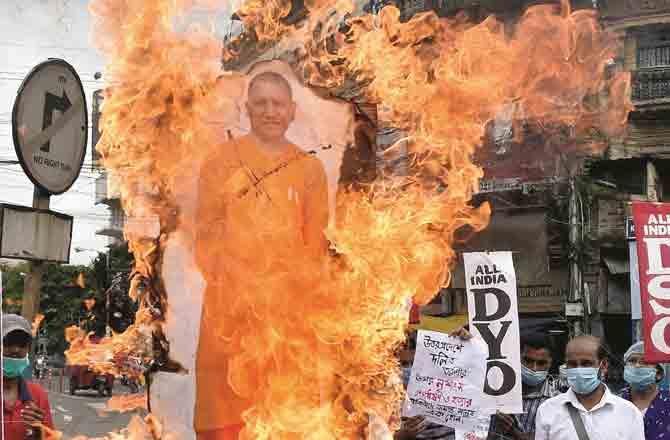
12 286
62 301
65 289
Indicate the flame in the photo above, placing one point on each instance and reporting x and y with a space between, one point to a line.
138 429
36 323
89 303
126 403
81 280
107 355
48 433
324 366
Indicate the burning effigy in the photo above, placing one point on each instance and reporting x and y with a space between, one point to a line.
273 297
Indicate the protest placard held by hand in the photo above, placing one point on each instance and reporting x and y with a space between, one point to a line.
447 380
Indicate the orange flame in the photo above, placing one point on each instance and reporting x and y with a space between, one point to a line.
313 348
89 303
81 280
50 434
107 355
138 429
36 323
126 403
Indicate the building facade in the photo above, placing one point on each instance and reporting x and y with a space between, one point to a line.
636 166
105 191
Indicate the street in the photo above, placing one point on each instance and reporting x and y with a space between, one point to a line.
84 413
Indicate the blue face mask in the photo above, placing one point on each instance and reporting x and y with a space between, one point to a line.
13 367
531 377
583 380
406 373
639 378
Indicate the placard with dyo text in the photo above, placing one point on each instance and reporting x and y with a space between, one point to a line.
446 381
490 282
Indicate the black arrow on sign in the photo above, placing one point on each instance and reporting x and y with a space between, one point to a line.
51 103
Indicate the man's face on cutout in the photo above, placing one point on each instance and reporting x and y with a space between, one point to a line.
271 110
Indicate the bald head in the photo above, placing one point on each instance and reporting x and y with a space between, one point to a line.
585 351
270 107
590 341
271 78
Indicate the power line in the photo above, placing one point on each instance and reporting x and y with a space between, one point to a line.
45 46
84 173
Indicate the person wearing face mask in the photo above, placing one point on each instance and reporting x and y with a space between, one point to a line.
643 391
25 404
537 387
588 410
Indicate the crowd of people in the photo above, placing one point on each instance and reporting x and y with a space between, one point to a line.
587 410
579 406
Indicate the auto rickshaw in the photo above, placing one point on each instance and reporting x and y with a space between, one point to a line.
83 378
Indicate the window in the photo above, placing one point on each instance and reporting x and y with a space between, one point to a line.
629 175
655 56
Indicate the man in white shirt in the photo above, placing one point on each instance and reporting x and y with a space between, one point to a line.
604 415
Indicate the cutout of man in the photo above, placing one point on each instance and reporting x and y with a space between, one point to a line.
258 194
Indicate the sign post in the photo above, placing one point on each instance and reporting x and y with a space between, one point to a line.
50 132
635 300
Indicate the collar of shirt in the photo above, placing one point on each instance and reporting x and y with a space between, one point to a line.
547 390
607 399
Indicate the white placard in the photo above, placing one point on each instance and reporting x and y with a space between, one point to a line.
479 432
447 378
490 281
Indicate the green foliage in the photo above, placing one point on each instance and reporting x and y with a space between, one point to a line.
12 286
62 299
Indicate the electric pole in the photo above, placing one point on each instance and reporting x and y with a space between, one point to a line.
580 321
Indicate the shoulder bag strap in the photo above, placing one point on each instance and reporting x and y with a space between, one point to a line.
577 422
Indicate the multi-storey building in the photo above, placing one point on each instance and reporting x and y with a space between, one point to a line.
636 166
105 190
528 204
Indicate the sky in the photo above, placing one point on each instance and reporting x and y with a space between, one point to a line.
30 32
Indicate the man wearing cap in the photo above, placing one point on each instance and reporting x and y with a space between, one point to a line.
25 404
643 378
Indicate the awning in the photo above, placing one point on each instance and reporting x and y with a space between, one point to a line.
617 266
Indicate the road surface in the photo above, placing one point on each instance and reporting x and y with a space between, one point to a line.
83 413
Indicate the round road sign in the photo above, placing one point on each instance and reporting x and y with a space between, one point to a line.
50 125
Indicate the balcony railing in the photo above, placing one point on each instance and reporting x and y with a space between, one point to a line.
651 84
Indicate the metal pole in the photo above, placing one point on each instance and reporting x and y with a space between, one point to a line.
575 272
108 328
33 282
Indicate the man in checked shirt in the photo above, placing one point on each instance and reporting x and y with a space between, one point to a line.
537 386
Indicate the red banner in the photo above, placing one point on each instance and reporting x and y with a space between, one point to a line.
652 232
